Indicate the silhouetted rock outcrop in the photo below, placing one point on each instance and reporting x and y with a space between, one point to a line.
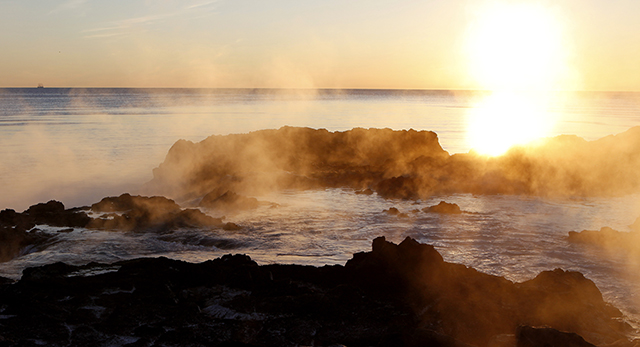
443 207
18 234
536 337
396 164
139 213
395 295
122 213
609 239
291 158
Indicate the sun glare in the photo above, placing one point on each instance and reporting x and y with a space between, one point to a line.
504 119
512 48
515 47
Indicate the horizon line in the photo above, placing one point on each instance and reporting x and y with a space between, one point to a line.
338 89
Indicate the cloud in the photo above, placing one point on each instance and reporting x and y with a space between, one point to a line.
68 5
120 27
202 4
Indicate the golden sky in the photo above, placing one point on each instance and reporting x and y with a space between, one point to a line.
318 44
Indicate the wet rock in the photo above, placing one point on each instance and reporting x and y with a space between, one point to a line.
231 226
14 242
535 337
392 211
364 192
17 233
141 213
402 187
228 201
443 207
394 295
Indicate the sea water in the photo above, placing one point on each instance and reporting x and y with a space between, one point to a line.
79 145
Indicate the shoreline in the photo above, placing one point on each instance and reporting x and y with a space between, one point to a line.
394 295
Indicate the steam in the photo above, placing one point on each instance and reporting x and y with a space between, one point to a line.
400 164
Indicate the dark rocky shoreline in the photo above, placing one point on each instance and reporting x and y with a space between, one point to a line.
395 295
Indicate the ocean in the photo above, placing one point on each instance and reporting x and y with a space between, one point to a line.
79 145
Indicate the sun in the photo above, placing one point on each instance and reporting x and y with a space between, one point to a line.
504 119
513 49
515 46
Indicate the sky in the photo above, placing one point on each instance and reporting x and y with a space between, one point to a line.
316 44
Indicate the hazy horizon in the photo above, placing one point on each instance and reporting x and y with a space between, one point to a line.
457 45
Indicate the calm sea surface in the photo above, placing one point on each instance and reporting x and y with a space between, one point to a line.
79 145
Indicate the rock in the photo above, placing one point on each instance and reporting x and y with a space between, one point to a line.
396 164
392 211
364 192
290 158
141 213
228 202
126 202
394 295
403 187
609 239
443 207
17 233
535 337
231 226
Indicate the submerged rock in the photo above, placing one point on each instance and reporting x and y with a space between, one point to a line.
395 295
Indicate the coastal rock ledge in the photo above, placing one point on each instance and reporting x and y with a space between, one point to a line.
395 295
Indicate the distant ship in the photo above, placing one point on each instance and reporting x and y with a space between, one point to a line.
40 85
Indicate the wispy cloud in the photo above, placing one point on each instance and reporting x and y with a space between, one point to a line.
202 4
68 5
120 27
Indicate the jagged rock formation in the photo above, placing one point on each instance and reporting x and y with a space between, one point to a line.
291 158
122 213
395 295
396 164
